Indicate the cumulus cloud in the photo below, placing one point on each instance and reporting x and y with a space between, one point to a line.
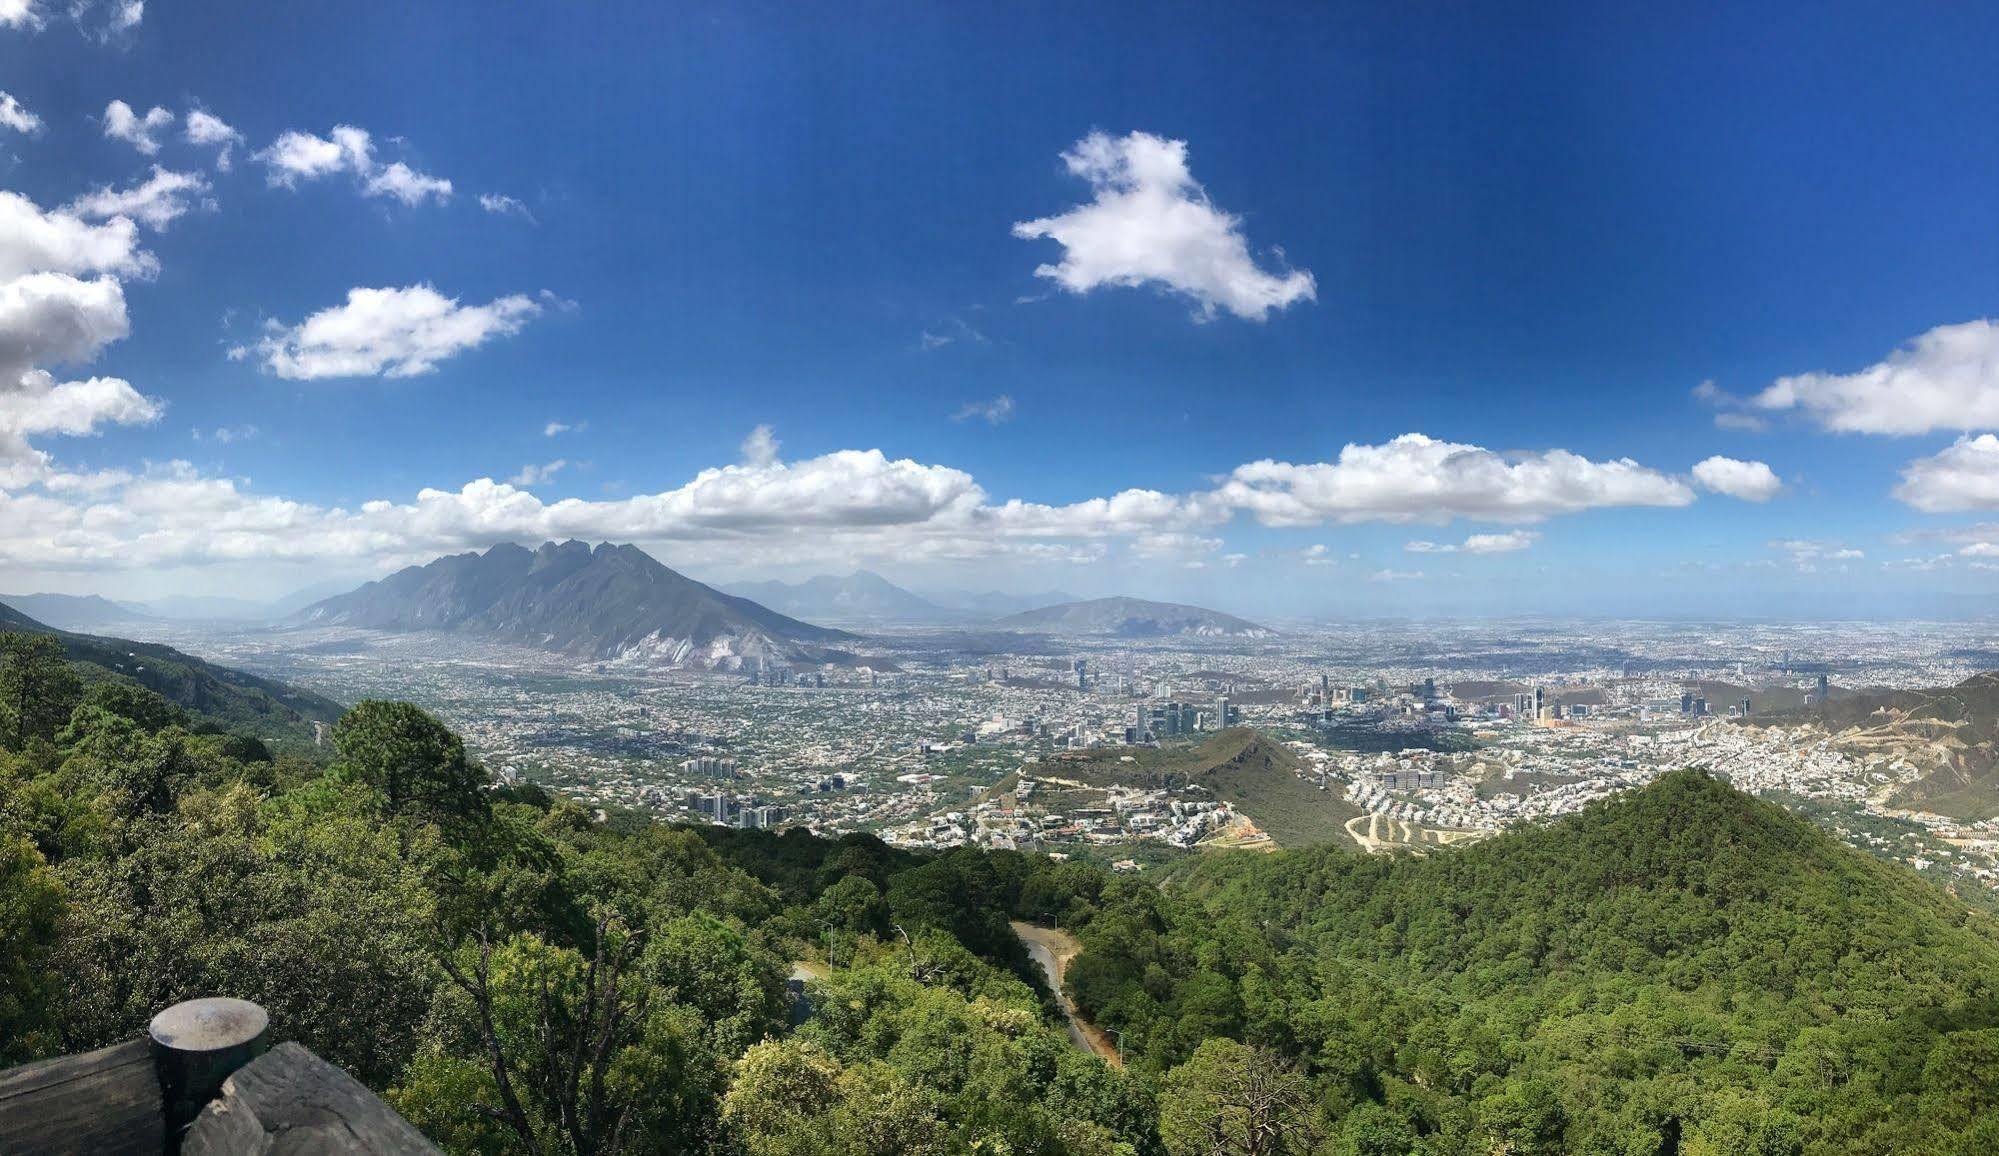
55 318
156 203
206 129
141 132
1945 379
1416 478
992 412
1962 476
58 241
390 332
1151 223
296 157
15 117
405 184
1749 481
36 403
1317 554
562 427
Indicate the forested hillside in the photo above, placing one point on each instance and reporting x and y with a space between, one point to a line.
216 697
1681 971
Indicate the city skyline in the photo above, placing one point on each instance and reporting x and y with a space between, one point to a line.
1506 313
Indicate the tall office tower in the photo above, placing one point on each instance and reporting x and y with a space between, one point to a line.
1325 689
1222 713
1540 700
1823 688
1429 688
1745 706
1082 674
1686 702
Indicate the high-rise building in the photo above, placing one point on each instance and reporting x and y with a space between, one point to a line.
1686 702
1824 687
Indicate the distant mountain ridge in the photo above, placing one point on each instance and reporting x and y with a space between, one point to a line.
74 611
994 603
605 602
1134 618
859 596
232 698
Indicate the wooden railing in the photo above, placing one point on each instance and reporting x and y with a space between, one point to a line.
204 1081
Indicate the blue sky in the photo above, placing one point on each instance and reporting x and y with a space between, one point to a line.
1525 231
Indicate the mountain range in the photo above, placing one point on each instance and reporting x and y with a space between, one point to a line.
603 602
858 597
228 698
74 611
1133 618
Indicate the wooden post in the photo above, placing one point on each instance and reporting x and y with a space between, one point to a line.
197 1045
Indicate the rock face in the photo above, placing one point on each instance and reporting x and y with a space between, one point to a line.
605 602
1133 618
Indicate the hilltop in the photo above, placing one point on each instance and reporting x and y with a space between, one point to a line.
231 699
606 602
1681 968
1133 618
1241 766
1949 734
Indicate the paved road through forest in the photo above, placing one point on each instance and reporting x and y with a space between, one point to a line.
1053 949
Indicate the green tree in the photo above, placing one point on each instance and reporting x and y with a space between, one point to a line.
38 690
413 761
31 906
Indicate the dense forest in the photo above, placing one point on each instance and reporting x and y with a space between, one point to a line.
1684 970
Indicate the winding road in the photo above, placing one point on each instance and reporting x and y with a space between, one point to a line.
1052 950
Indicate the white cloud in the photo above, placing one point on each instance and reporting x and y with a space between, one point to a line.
533 475
54 318
1807 554
1416 478
992 412
1500 543
38 404
1962 476
141 132
301 156
1505 543
164 196
1151 223
1395 576
760 447
562 427
390 332
34 241
1945 379
1317 554
499 204
208 130
20 14
1740 422
1749 481
15 117
406 185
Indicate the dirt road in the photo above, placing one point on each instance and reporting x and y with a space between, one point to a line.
1053 950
